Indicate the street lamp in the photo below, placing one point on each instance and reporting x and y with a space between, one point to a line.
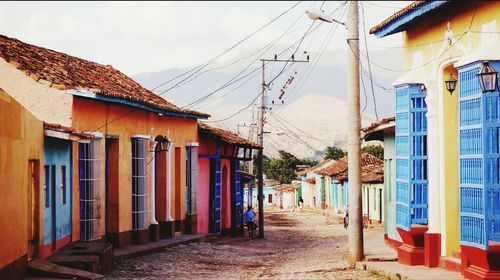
355 241
163 141
487 77
451 84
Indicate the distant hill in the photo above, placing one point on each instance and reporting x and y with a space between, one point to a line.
315 102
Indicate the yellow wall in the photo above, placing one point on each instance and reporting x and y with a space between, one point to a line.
21 140
437 56
90 115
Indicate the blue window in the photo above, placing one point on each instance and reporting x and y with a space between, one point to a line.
479 133
411 156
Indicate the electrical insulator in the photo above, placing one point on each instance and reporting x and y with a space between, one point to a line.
307 60
293 57
275 56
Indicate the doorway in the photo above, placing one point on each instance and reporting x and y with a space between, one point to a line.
33 208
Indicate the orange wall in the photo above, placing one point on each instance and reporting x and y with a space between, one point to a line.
124 121
21 140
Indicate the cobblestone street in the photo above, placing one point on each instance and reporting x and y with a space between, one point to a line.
298 245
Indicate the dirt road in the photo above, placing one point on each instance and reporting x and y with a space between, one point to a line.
298 245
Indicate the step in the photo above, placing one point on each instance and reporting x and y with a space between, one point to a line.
43 268
456 254
94 256
450 263
83 262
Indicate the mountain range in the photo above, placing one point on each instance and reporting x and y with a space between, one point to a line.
312 112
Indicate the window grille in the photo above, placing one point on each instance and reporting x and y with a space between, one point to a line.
479 154
191 179
139 184
90 190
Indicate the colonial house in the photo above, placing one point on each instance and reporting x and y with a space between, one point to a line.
25 143
286 195
372 178
384 130
220 192
112 165
447 123
313 190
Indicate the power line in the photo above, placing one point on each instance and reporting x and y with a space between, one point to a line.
202 66
369 65
322 48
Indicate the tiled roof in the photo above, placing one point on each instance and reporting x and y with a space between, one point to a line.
65 129
227 136
375 124
372 169
314 168
66 72
397 15
287 187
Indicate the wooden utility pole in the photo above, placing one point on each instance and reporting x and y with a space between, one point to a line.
354 138
262 108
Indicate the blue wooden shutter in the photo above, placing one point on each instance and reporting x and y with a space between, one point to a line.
239 195
217 196
403 198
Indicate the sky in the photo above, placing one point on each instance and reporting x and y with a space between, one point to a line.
139 37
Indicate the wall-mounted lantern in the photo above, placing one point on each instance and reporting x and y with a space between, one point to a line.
163 142
487 77
451 84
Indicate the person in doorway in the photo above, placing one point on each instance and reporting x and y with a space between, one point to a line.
249 220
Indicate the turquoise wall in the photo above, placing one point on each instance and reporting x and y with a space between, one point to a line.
390 187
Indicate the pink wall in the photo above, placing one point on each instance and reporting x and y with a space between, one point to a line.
202 202
208 146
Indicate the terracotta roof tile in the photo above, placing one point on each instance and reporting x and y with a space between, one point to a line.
63 71
397 15
375 124
65 129
315 167
372 169
227 136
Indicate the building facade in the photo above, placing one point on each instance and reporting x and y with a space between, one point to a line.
446 192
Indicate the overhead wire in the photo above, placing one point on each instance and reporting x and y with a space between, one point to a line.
202 66
310 67
369 65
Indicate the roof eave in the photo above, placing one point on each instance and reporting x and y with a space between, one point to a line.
403 22
135 104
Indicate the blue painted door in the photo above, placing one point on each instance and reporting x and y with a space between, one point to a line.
57 190
215 195
479 152
237 197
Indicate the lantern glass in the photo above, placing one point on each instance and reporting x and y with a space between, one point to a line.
163 142
487 78
451 84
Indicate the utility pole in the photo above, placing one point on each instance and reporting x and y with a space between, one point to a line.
262 108
353 129
260 190
353 137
